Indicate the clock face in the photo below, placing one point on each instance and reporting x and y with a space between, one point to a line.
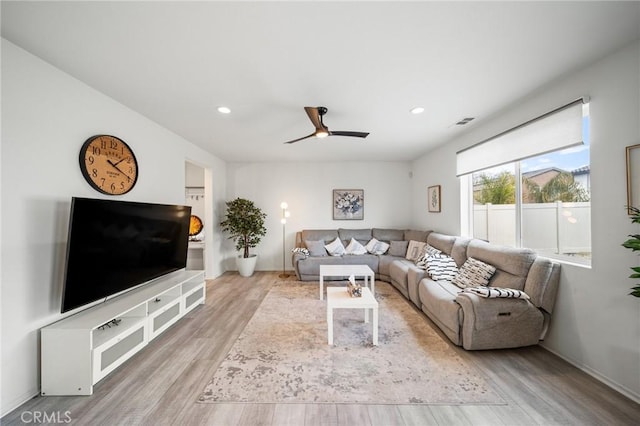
108 164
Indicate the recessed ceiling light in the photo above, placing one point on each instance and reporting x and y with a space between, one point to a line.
224 110
417 110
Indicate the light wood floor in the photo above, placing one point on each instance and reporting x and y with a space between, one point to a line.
160 385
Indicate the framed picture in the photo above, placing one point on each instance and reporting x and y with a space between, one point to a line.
633 176
348 204
433 198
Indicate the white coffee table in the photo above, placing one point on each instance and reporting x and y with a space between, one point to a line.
345 271
339 298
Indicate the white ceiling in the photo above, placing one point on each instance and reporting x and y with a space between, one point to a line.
368 62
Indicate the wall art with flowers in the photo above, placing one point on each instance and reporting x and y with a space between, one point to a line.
348 204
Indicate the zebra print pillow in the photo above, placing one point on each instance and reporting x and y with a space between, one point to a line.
497 292
428 251
442 267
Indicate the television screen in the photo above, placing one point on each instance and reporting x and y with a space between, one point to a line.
116 245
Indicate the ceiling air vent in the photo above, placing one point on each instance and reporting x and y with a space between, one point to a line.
464 121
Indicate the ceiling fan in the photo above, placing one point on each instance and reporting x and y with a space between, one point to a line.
315 115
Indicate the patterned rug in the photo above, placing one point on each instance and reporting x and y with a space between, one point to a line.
282 356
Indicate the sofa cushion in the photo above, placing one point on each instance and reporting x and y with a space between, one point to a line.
387 235
512 264
414 276
442 242
335 247
438 302
359 234
398 271
316 248
377 247
474 273
325 235
459 250
398 248
384 263
355 247
415 235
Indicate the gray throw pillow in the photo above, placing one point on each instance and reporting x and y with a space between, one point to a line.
316 248
398 248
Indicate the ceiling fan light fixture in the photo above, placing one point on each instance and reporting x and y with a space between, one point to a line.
322 134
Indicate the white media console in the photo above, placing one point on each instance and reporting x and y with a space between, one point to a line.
78 351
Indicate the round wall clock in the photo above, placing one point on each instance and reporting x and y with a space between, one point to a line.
108 164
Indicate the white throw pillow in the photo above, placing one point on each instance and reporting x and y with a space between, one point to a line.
377 247
335 247
355 247
474 273
415 250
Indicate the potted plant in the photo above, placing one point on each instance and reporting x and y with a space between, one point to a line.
245 222
633 243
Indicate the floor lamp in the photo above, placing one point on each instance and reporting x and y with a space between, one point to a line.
283 220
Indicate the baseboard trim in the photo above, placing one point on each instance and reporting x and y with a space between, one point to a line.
18 402
599 377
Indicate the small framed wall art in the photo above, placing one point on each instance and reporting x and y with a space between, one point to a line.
433 198
348 204
633 176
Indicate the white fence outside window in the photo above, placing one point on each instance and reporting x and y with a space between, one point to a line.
549 228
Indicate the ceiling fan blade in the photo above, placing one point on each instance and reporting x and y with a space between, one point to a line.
353 134
304 137
314 116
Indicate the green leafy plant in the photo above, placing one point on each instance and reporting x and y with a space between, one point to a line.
245 222
633 243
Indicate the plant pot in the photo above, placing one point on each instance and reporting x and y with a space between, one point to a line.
246 265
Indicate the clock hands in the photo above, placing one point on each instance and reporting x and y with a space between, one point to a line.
118 161
115 166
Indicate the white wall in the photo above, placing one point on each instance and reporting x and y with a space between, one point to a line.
46 117
596 324
307 188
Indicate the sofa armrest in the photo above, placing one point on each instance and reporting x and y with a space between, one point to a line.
295 257
542 283
495 323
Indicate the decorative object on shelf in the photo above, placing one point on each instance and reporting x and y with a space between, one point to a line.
245 222
633 243
195 227
354 289
108 165
348 204
633 177
285 214
433 198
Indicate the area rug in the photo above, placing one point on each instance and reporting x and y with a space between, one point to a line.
282 356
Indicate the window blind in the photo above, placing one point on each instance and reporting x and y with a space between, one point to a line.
558 129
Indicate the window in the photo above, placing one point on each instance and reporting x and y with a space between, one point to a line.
536 201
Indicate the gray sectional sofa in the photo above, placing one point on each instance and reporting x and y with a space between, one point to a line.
467 319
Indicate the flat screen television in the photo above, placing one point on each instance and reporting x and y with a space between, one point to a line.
115 246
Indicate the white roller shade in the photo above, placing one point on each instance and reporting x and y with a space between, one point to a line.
555 130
